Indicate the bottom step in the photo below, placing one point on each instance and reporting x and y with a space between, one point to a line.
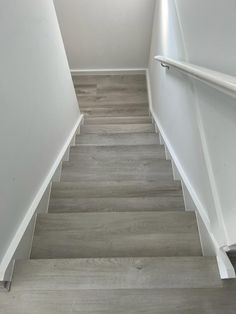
131 301
118 273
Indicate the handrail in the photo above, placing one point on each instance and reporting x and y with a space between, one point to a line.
217 79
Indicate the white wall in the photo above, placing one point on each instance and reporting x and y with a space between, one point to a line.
209 30
38 106
213 46
106 34
198 121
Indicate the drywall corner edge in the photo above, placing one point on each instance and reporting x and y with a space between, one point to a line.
6 265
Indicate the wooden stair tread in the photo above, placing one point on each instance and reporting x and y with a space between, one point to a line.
136 152
118 273
115 189
116 235
114 112
104 100
117 128
90 196
128 301
110 80
116 164
117 169
117 120
114 204
109 105
118 139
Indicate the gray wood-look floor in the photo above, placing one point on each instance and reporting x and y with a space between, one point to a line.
118 273
120 301
116 238
115 234
134 152
117 128
118 139
117 120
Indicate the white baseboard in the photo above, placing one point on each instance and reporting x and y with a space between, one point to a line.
123 71
226 268
20 245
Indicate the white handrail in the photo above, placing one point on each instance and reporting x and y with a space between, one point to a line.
213 78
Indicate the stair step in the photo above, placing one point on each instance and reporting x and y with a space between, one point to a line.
89 196
92 100
88 95
113 106
116 165
116 99
140 90
72 175
110 80
117 170
114 91
117 120
115 189
117 128
118 139
128 301
86 235
136 152
118 273
109 162
116 204
115 111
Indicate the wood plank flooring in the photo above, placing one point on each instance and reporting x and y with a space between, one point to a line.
116 238
118 273
116 235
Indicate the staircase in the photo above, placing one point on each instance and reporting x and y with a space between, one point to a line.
116 238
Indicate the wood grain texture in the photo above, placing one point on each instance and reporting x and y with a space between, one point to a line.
116 204
118 273
128 301
117 120
110 80
116 165
114 101
116 235
97 91
118 139
117 170
111 111
136 152
116 189
117 128
92 196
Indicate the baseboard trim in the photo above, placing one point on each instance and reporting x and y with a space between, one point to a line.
121 71
226 268
9 255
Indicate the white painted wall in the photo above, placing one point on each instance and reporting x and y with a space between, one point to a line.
198 121
106 34
209 28
214 47
38 106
